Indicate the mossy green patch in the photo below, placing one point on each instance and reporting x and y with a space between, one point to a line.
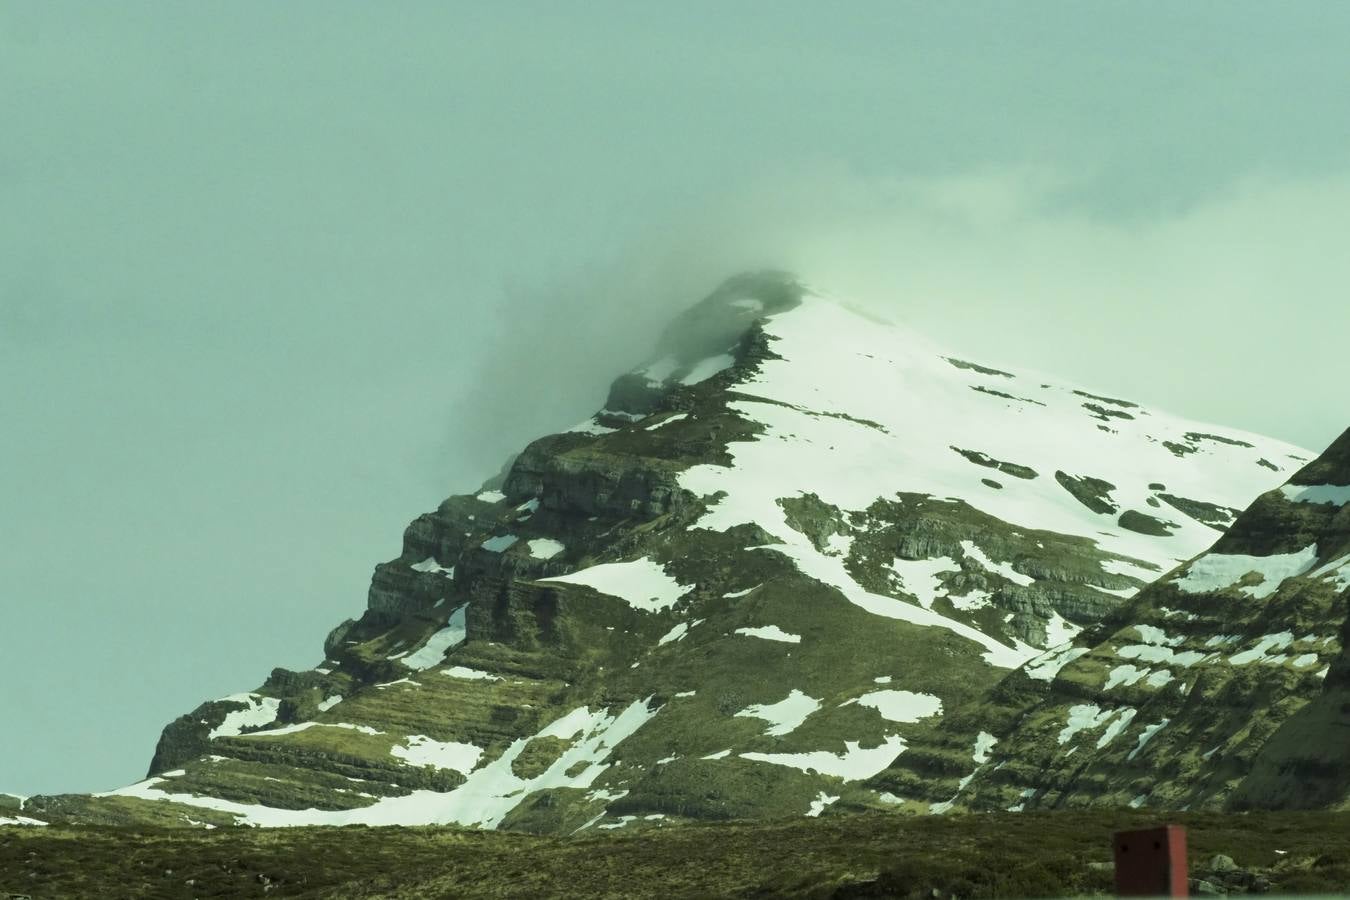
1125 404
1101 412
1211 514
1143 523
540 753
1006 396
1094 493
1008 468
976 367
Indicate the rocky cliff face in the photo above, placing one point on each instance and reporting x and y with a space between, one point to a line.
1223 685
798 546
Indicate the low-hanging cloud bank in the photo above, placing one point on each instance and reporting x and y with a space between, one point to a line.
1232 309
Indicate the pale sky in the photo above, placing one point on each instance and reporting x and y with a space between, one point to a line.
275 278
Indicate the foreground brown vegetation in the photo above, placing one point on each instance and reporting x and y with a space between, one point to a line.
873 855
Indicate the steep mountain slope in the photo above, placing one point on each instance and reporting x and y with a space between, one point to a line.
1223 685
784 550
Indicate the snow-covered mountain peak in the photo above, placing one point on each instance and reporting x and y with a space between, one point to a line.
785 552
855 409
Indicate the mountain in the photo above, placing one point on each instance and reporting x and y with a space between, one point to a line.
799 548
1224 685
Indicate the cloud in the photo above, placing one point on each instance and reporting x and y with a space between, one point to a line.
1232 309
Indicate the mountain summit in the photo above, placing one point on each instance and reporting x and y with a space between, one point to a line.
780 560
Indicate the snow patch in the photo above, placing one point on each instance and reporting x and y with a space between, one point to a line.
1260 652
667 421
545 548
259 711
1129 570
1338 569
1005 569
305 726
25 820
431 565
642 583
785 715
1155 654
831 570
1217 571
433 651
604 796
900 706
421 750
1084 717
854 764
770 633
919 577
591 426
1126 675
1059 631
1334 494
1151 635
818 805
1118 724
467 674
1159 678
1147 735
1046 666
971 601
501 543
678 632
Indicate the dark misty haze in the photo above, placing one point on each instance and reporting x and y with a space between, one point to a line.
274 278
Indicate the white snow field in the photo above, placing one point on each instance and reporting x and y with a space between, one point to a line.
641 583
432 652
899 404
261 711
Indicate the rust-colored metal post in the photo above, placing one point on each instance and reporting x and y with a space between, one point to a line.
1151 862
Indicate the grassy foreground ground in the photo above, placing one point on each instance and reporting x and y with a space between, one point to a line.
870 855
